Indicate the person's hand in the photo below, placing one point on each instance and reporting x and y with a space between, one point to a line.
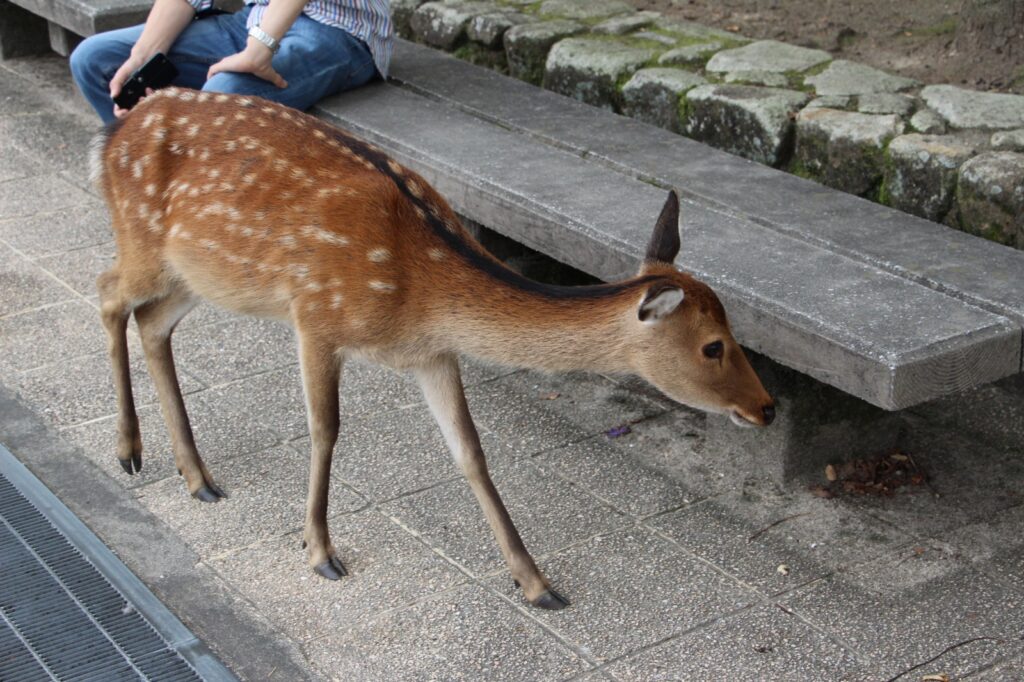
135 61
256 59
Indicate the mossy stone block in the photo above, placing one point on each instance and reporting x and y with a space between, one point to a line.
921 173
585 10
749 121
527 46
653 95
590 69
693 55
443 24
990 197
489 29
844 149
843 77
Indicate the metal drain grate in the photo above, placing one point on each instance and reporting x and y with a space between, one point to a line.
60 617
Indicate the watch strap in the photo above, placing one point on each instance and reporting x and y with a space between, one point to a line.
270 41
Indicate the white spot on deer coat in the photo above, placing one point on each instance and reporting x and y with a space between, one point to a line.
383 287
378 255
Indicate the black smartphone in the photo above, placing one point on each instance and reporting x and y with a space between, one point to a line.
157 73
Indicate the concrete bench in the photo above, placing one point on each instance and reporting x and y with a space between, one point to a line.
32 26
888 308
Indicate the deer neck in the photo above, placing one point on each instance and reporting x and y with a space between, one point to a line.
547 328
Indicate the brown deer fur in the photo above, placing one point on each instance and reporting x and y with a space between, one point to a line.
273 213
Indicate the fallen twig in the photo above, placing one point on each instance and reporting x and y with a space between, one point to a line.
775 523
943 653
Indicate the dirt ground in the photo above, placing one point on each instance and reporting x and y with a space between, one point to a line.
975 43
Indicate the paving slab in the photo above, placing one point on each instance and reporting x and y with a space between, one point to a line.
49 335
50 232
589 216
751 533
387 569
266 498
968 482
25 286
630 590
80 390
391 454
548 514
79 268
993 546
56 138
871 609
618 476
222 431
15 164
235 349
466 633
24 196
760 643
866 231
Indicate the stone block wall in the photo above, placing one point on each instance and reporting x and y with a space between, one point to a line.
944 153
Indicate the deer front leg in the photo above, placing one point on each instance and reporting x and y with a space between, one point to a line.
156 323
442 388
321 370
115 312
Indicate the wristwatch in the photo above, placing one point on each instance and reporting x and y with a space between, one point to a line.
270 41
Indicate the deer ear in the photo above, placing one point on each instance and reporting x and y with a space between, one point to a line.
659 302
664 244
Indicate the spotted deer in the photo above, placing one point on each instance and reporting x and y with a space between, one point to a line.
269 212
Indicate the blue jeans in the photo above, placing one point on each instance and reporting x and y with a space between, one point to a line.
315 59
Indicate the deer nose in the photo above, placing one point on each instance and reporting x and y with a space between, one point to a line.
769 414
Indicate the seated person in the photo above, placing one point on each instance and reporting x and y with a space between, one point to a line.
291 51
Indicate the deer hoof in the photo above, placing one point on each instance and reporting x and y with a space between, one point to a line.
209 493
132 466
331 569
550 600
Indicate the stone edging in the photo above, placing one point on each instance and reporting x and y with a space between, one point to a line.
940 152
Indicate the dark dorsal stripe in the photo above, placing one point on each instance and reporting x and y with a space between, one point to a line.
473 257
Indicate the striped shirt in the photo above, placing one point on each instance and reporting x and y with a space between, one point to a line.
367 20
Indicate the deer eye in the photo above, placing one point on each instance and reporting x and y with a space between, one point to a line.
713 350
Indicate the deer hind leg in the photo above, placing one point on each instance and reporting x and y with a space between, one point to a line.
321 371
157 320
115 310
442 388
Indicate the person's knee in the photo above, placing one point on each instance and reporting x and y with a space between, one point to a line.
83 57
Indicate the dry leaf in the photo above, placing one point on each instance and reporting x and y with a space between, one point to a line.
940 677
550 396
783 569
830 473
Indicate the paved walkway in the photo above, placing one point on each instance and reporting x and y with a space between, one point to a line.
679 565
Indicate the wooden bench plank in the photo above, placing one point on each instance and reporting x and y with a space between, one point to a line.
866 331
88 17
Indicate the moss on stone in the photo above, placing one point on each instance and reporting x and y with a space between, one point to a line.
945 27
474 53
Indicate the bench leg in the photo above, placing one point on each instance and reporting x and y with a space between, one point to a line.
62 41
22 34
816 425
